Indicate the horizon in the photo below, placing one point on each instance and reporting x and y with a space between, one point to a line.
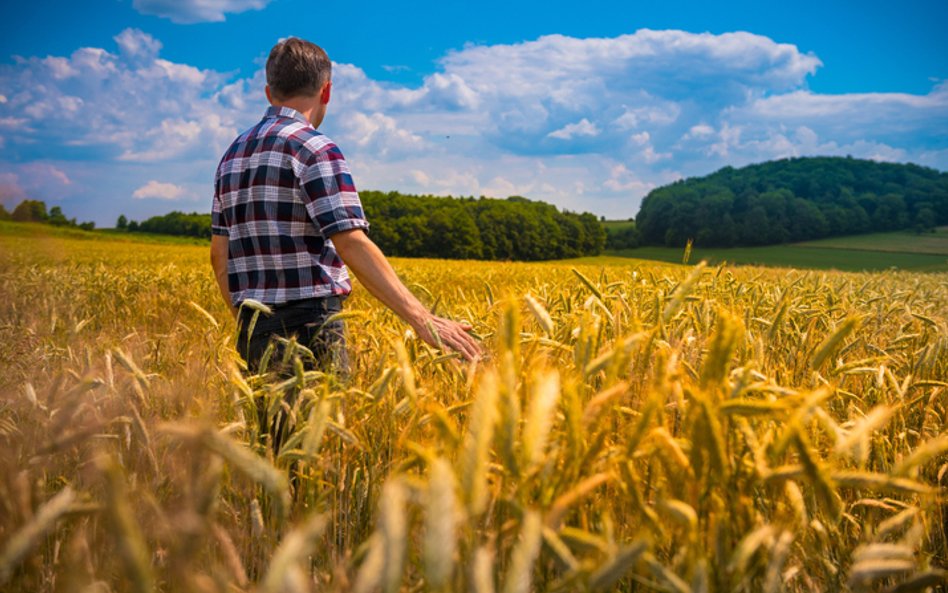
482 197
587 111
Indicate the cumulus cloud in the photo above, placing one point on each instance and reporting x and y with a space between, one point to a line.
159 190
127 103
196 11
379 133
589 124
581 128
135 44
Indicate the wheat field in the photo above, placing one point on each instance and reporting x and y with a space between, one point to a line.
637 427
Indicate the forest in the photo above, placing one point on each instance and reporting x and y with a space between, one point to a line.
483 228
454 228
791 200
35 211
414 226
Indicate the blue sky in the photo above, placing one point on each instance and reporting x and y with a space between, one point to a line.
124 106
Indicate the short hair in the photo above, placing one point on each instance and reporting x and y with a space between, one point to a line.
297 67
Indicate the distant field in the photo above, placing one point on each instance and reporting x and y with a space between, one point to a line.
879 251
617 225
27 229
794 256
901 242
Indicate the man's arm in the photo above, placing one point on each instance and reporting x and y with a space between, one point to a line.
219 251
368 263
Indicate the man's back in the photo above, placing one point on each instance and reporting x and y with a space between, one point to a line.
282 190
286 215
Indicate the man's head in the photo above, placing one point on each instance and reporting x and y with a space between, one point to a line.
298 74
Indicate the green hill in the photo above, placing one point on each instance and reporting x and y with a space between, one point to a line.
794 200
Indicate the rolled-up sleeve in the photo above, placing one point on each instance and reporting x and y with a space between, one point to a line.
330 194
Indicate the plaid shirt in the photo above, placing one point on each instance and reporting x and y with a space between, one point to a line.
282 190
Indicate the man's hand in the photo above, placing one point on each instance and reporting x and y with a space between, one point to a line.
450 333
367 261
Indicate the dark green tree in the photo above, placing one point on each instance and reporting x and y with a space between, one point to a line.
925 219
30 211
793 200
57 218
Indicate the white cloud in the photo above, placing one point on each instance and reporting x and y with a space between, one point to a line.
163 69
135 43
159 190
700 131
581 128
131 103
380 133
420 177
46 172
621 179
12 122
176 139
196 11
60 67
588 124
659 112
650 155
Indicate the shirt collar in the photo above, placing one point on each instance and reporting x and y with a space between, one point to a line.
277 111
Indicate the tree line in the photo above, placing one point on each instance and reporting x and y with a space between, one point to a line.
35 211
194 224
457 228
483 228
792 200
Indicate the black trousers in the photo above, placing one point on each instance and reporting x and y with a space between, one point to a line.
306 320
309 322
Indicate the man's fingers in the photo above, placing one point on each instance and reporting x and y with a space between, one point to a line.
468 346
462 343
453 335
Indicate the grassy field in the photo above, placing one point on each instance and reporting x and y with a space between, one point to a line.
637 427
875 252
880 251
39 231
935 243
617 225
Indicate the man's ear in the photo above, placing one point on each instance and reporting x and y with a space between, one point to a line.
266 89
325 93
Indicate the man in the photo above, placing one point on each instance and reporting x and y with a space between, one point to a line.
287 221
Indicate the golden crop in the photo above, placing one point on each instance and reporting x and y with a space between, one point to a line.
637 427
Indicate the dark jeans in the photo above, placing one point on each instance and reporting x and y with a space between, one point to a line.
306 321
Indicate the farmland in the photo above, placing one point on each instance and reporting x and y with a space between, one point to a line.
637 427
926 252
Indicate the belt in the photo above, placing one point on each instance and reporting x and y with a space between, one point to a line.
328 302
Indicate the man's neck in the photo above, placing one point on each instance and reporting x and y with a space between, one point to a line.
308 107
